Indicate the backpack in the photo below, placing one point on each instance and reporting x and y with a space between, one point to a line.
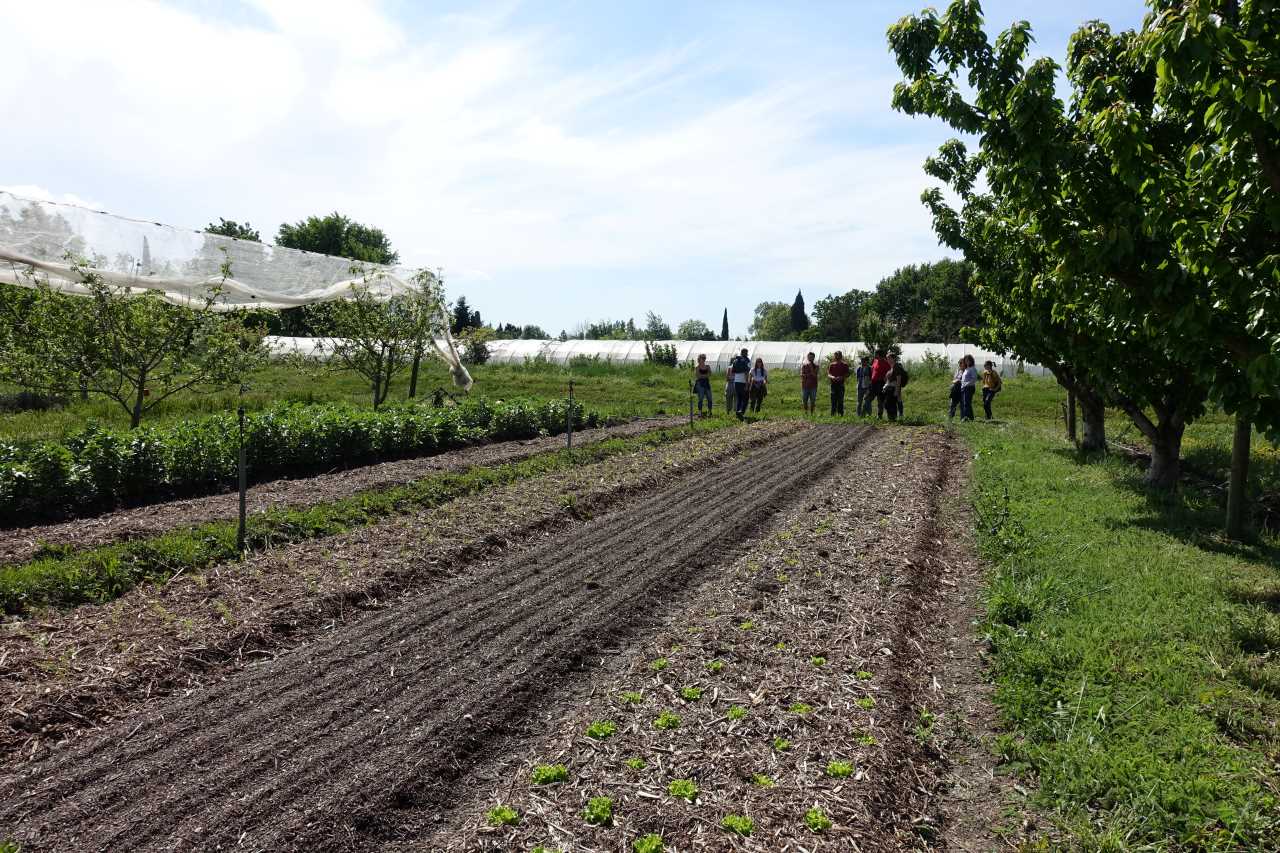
906 377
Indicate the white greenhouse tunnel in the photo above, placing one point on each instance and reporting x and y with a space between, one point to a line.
776 354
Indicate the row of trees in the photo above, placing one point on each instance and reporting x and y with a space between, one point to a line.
1125 238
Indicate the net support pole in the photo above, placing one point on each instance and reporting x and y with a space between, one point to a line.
568 428
244 482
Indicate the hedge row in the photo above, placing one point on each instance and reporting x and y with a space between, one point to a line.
101 468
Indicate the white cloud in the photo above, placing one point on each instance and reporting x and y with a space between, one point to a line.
477 150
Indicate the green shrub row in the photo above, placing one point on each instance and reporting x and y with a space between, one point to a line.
101 468
64 577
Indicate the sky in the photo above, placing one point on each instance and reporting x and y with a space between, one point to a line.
561 161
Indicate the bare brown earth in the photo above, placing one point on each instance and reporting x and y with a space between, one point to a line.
64 674
356 738
23 543
846 631
825 566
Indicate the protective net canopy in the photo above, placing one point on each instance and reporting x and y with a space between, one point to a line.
44 242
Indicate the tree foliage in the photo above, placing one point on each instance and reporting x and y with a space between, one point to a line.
799 319
231 228
339 236
724 326
132 348
772 322
1146 199
694 330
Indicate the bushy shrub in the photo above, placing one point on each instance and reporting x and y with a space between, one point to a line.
100 467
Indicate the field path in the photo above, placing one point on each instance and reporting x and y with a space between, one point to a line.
20 544
345 742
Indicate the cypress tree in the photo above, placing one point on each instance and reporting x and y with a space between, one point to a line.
724 326
799 319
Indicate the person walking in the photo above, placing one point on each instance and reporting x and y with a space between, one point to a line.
837 373
809 385
702 384
759 384
740 368
879 370
991 386
957 380
864 386
893 387
968 385
728 390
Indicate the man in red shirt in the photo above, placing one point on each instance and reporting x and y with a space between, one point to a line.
837 372
879 370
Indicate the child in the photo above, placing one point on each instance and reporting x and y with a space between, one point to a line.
809 385
991 385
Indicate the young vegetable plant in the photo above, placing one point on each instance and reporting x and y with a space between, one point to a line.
691 694
800 709
636 763
651 843
816 820
737 712
549 774
683 789
630 697
818 661
602 729
866 703
781 744
714 666
658 664
839 769
762 780
599 811
738 824
503 816
666 720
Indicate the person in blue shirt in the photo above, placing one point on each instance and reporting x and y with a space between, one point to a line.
740 369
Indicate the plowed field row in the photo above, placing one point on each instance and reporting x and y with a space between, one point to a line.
344 742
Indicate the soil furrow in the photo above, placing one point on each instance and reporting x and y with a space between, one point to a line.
488 622
20 544
328 668
764 473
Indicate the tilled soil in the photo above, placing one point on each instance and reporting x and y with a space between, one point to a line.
356 738
64 674
24 543
843 636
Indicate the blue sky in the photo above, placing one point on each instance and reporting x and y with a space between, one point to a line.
560 161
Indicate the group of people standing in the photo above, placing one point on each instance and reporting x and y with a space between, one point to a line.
964 385
880 380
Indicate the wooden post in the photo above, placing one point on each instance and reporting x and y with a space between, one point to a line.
569 418
1237 489
244 480
1071 416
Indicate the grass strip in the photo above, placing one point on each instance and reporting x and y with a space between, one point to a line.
1130 648
64 577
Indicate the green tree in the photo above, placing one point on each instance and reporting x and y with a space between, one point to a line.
836 318
655 328
133 348
1112 188
724 326
231 228
772 322
694 330
799 319
877 334
377 337
464 317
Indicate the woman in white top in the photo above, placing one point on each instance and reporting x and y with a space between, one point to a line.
957 380
759 380
968 384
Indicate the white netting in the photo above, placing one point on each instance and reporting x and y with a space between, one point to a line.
43 242
37 238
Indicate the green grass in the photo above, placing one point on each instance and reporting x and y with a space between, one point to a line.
66 578
1122 630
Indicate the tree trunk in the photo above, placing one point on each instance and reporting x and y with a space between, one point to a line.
1166 459
1094 414
1237 491
413 374
135 416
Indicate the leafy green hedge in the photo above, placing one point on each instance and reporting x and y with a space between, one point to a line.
101 468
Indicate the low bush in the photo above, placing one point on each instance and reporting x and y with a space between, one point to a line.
101 468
